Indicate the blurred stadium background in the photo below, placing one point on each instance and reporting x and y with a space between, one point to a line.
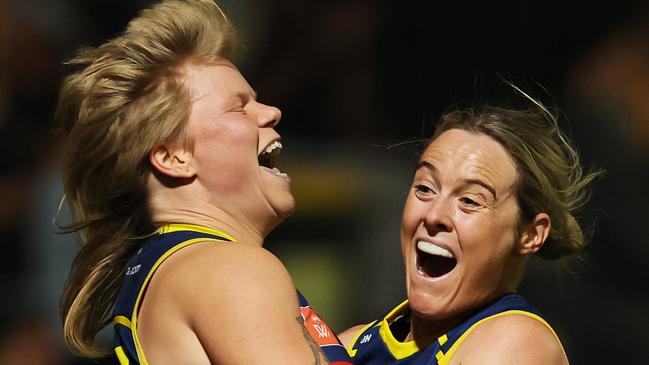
354 78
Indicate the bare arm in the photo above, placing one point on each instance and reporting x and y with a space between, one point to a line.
315 349
239 302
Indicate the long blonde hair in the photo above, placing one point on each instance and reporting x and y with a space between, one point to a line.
128 96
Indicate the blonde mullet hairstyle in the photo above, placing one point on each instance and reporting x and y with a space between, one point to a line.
128 96
551 178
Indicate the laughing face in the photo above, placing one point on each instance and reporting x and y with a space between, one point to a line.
234 145
459 227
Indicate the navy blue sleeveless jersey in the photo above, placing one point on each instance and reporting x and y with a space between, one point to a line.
376 345
169 240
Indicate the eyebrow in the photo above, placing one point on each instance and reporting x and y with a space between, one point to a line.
427 165
431 167
483 184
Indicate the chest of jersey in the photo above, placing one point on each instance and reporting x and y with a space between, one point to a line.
376 344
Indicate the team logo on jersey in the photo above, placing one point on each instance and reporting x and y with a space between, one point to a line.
317 328
133 270
366 338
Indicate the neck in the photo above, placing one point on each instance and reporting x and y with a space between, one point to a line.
182 205
240 232
425 332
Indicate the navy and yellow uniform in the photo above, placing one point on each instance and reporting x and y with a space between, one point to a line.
375 344
169 240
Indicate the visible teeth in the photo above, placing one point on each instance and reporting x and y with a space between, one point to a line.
433 249
273 146
279 173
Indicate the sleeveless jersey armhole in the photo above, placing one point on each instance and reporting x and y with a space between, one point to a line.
140 296
170 239
446 358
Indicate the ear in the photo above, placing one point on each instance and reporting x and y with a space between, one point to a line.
172 161
534 234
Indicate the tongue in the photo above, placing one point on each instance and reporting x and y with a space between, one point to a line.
435 266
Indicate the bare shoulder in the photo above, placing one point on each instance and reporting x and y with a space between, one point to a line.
348 336
238 292
511 339
220 271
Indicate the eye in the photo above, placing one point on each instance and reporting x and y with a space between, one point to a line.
423 190
468 202
237 104
240 108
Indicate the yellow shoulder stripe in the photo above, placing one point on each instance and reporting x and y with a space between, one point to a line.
446 358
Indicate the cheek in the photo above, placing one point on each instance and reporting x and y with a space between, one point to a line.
411 217
227 141
234 130
488 240
413 214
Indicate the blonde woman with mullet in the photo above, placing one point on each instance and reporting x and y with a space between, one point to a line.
494 186
169 171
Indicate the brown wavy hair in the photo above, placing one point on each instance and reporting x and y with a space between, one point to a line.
551 178
128 96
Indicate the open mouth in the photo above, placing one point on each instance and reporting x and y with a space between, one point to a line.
267 158
434 261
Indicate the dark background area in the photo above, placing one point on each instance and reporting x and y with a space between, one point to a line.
353 78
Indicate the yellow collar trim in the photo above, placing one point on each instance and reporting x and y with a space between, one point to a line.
400 350
175 227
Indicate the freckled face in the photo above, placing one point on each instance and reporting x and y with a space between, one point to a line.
229 129
459 226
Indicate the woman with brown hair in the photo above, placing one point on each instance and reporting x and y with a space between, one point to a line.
494 186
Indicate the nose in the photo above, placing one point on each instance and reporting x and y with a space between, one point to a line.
438 218
267 116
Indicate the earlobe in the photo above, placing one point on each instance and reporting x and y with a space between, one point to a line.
534 234
173 162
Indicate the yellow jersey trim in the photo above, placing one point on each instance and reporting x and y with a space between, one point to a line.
121 356
138 347
400 350
446 358
175 227
123 321
442 339
350 349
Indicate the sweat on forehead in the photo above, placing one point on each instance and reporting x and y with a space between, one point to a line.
472 159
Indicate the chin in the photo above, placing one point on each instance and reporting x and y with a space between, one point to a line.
282 205
424 305
280 212
285 208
